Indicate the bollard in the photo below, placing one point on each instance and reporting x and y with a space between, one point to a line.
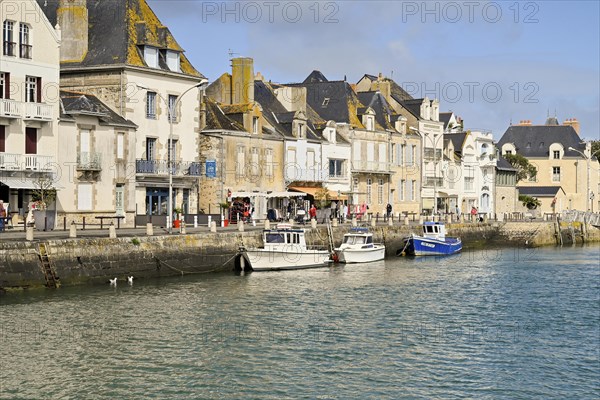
291 221
253 222
373 222
421 220
183 228
449 219
29 233
149 229
213 226
73 230
313 223
240 226
390 222
436 218
354 223
112 232
267 224
485 219
406 221
461 219
196 221
335 222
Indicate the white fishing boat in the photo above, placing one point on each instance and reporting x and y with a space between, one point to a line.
358 247
284 248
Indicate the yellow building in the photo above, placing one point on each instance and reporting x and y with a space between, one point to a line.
562 160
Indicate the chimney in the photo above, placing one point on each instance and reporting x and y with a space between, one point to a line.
525 122
242 80
72 17
574 123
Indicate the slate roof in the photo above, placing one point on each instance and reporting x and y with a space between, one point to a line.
315 77
217 120
535 140
379 104
116 31
398 92
413 106
457 140
540 191
445 118
75 103
503 165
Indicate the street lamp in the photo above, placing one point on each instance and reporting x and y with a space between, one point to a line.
172 108
587 200
434 142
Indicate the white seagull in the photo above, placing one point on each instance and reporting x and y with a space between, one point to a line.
113 282
130 280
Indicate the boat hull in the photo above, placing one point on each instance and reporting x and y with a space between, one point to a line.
274 260
350 256
421 246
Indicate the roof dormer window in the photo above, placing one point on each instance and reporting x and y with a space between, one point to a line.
151 56
370 123
172 58
325 102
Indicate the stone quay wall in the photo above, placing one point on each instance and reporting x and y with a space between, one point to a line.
95 260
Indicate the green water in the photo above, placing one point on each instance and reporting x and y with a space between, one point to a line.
510 323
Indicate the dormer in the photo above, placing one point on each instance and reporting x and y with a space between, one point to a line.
400 125
556 151
426 109
329 133
508 148
299 125
150 56
368 119
172 59
435 110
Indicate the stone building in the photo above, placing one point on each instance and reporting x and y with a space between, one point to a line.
122 54
562 158
29 104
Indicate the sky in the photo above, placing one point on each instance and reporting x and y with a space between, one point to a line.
489 62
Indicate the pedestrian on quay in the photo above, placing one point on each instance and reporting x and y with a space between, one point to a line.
473 213
345 213
457 213
313 212
388 210
2 215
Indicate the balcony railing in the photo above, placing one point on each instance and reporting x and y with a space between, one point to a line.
26 51
10 108
178 168
25 162
9 48
371 166
38 111
89 161
428 154
431 181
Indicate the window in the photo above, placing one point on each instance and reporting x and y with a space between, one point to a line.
508 152
173 60
151 56
556 154
8 35
4 85
84 197
2 138
25 49
172 110
300 131
355 185
528 145
369 190
150 149
401 151
255 125
120 200
413 190
120 146
254 162
172 153
402 190
370 124
382 156
336 168
325 102
269 161
151 105
469 183
30 140
240 164
33 89
410 156
393 154
555 174
409 190
380 191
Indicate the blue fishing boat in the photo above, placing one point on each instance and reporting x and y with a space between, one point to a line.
433 242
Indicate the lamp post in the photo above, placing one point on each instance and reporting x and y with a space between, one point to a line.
172 108
434 142
588 194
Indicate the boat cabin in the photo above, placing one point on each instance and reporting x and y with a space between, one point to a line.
358 236
284 235
434 230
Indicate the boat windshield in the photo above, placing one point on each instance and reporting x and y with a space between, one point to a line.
275 238
354 240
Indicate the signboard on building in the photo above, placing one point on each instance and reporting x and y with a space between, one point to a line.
211 168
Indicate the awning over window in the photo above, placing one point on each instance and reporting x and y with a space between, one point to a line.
18 182
333 195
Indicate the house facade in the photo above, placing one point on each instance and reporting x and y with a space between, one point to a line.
29 104
138 70
563 160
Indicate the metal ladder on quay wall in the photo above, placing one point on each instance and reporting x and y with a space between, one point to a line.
330 237
52 281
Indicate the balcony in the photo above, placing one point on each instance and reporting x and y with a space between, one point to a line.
26 51
430 155
9 48
11 108
371 166
178 168
89 161
431 182
25 162
38 112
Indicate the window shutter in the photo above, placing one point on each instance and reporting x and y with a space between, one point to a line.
39 89
2 139
7 86
84 197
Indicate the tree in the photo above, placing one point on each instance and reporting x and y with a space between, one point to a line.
530 202
596 149
523 166
322 197
44 192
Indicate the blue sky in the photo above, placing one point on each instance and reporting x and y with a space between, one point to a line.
489 62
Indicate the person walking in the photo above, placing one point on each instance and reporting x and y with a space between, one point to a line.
473 213
2 215
388 210
457 213
312 212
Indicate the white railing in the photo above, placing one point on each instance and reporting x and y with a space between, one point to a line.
22 162
10 161
38 111
375 166
10 108
87 160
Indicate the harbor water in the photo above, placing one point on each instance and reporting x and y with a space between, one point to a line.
506 323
